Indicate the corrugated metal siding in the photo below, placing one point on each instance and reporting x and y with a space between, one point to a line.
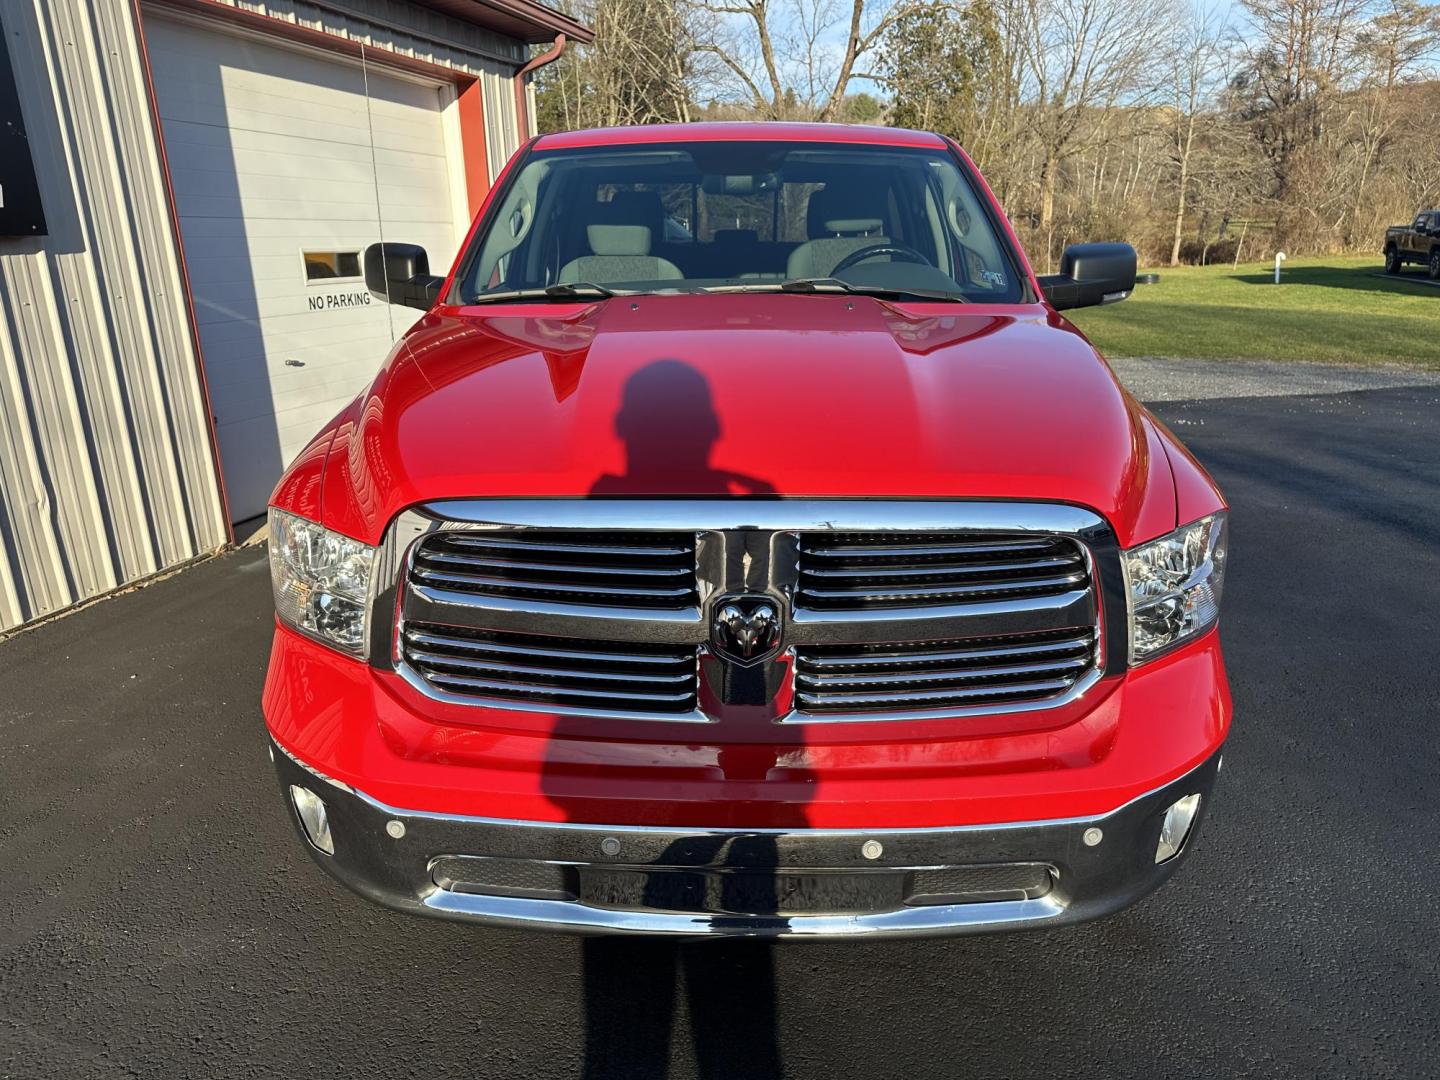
106 474
417 33
501 138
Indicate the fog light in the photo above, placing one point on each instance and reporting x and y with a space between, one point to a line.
1176 827
313 818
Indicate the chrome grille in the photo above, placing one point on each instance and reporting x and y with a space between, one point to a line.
624 569
551 671
854 571
1006 670
889 610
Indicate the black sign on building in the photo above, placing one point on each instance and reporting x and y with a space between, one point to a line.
20 211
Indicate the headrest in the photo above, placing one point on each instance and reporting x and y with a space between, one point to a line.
850 209
635 208
852 225
618 239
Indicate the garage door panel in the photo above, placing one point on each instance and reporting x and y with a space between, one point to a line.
327 125
278 167
233 142
224 105
348 343
218 305
274 294
340 183
232 234
246 189
318 347
300 423
314 207
231 270
304 397
252 188
234 373
413 178
325 114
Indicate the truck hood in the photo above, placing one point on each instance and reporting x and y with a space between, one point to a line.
754 395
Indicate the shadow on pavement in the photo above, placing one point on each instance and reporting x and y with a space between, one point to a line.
1355 278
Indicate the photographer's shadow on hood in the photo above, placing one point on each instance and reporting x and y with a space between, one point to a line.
668 424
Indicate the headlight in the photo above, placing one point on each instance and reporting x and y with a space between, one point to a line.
1173 586
321 580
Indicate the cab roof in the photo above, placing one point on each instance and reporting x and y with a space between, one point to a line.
739 132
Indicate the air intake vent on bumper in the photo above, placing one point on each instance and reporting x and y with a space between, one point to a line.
854 571
615 569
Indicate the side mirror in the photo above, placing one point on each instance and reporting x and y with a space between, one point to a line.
400 274
1091 274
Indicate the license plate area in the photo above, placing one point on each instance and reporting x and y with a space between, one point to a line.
743 892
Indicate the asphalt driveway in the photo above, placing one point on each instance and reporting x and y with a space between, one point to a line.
159 919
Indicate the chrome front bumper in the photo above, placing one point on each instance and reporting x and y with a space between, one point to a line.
815 884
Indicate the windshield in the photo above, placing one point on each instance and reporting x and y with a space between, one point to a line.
740 216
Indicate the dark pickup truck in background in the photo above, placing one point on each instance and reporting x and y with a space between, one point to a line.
1418 242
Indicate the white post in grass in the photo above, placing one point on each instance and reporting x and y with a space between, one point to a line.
1279 258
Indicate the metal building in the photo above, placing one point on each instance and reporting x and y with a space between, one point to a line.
185 190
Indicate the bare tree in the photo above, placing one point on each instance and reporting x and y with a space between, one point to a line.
1298 55
1392 49
793 56
1197 70
638 70
1077 59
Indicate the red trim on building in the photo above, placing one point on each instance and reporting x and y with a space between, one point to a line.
148 76
470 106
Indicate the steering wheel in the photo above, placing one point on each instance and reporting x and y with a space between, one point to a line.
906 254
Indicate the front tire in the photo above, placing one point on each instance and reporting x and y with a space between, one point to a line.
1434 265
1392 260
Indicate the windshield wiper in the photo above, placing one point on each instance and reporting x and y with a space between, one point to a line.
561 290
895 292
836 285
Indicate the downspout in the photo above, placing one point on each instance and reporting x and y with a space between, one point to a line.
549 56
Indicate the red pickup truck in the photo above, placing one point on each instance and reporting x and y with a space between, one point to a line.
743 543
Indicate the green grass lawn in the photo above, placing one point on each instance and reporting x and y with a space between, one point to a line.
1326 308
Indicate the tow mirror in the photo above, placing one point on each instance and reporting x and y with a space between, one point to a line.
400 274
1091 274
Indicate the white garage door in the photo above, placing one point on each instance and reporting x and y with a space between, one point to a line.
284 169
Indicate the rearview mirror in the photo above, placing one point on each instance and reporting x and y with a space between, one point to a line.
1091 274
400 274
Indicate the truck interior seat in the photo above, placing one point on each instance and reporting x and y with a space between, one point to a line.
838 221
620 249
